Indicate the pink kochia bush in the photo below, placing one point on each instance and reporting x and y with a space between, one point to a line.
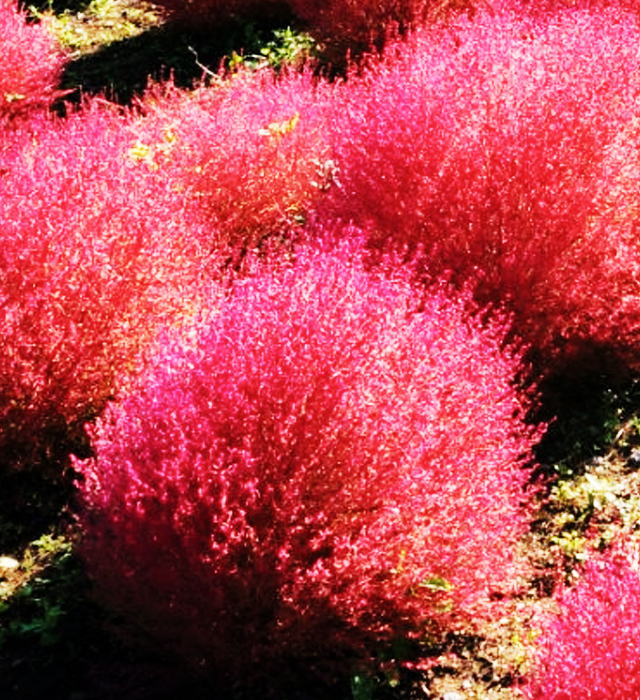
591 648
31 60
317 466
357 25
501 152
90 264
249 155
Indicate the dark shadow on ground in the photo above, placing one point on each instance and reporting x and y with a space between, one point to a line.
583 418
123 69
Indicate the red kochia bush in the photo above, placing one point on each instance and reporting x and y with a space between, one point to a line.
318 466
92 258
249 154
356 25
591 649
502 151
31 62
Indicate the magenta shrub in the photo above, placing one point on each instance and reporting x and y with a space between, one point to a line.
250 155
502 152
31 60
591 648
315 467
356 26
90 264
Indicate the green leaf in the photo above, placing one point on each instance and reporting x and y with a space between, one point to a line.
436 583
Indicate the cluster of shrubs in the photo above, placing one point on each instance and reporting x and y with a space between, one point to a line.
304 322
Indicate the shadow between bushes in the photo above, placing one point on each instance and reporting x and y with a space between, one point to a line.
583 415
57 643
123 69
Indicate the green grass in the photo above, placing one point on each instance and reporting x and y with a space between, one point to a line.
93 27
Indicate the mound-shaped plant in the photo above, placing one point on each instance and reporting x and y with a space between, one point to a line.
322 466
501 152
356 26
591 648
92 259
249 154
31 60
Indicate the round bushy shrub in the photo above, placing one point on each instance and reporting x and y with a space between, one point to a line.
501 151
31 60
591 648
249 155
93 257
357 26
325 463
